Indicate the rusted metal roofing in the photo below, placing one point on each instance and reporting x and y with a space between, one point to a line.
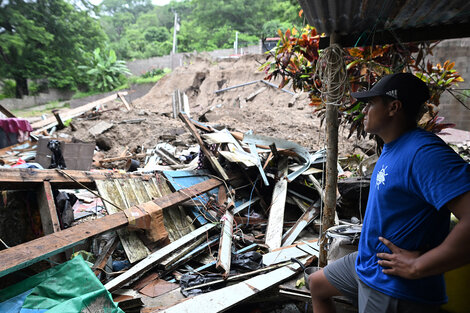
434 18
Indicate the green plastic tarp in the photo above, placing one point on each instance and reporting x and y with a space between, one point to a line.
66 288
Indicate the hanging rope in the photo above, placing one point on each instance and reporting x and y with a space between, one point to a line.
332 73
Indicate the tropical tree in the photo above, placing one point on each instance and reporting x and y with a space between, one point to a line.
45 39
104 71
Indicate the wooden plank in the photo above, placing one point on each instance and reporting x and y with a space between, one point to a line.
133 247
301 223
175 257
49 219
225 298
225 247
6 111
150 261
12 178
23 255
121 96
276 213
26 254
283 255
212 159
69 114
47 210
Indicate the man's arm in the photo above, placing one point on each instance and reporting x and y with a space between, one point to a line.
452 253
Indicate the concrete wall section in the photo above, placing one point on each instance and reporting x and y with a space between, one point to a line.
458 51
31 101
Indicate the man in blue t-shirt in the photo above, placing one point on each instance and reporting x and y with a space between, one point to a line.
405 244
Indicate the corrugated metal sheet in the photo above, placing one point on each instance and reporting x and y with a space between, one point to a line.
357 16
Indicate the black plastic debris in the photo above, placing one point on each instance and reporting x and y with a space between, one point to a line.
64 204
190 280
247 262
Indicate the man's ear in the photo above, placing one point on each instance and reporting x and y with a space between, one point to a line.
394 107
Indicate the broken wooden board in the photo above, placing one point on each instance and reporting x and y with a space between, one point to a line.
121 96
276 213
225 247
28 253
301 223
69 114
13 178
112 190
152 260
210 156
286 253
225 298
47 209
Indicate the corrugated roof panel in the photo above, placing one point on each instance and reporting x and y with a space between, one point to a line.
357 16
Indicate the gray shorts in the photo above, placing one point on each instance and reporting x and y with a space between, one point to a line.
342 275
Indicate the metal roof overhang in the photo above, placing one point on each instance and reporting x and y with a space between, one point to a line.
366 22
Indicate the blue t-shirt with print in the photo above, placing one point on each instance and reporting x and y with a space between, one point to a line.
415 176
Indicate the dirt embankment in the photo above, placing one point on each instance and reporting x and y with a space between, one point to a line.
271 112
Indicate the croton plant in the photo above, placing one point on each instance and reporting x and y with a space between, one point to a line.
295 58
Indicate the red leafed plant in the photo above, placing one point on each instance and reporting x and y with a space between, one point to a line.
294 60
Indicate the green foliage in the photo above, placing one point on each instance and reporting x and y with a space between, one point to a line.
138 30
105 72
45 39
9 87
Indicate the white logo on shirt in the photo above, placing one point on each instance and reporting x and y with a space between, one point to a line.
380 179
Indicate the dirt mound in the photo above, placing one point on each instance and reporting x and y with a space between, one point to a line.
257 106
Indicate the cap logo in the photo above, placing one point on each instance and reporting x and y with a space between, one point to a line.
392 93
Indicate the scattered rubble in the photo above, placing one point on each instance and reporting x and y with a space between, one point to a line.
214 206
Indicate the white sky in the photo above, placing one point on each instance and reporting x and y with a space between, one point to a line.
155 2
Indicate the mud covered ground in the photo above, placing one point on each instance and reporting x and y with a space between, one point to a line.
272 112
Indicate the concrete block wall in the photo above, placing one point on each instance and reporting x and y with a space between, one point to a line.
31 101
458 51
139 67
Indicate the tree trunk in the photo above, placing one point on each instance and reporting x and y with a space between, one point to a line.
328 219
21 87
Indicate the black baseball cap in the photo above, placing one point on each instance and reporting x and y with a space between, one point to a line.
406 87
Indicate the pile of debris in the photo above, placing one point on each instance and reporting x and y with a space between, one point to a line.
217 222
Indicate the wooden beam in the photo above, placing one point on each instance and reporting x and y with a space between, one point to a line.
28 253
301 223
121 96
69 114
225 248
47 210
212 159
6 111
276 213
14 178
152 260
49 219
